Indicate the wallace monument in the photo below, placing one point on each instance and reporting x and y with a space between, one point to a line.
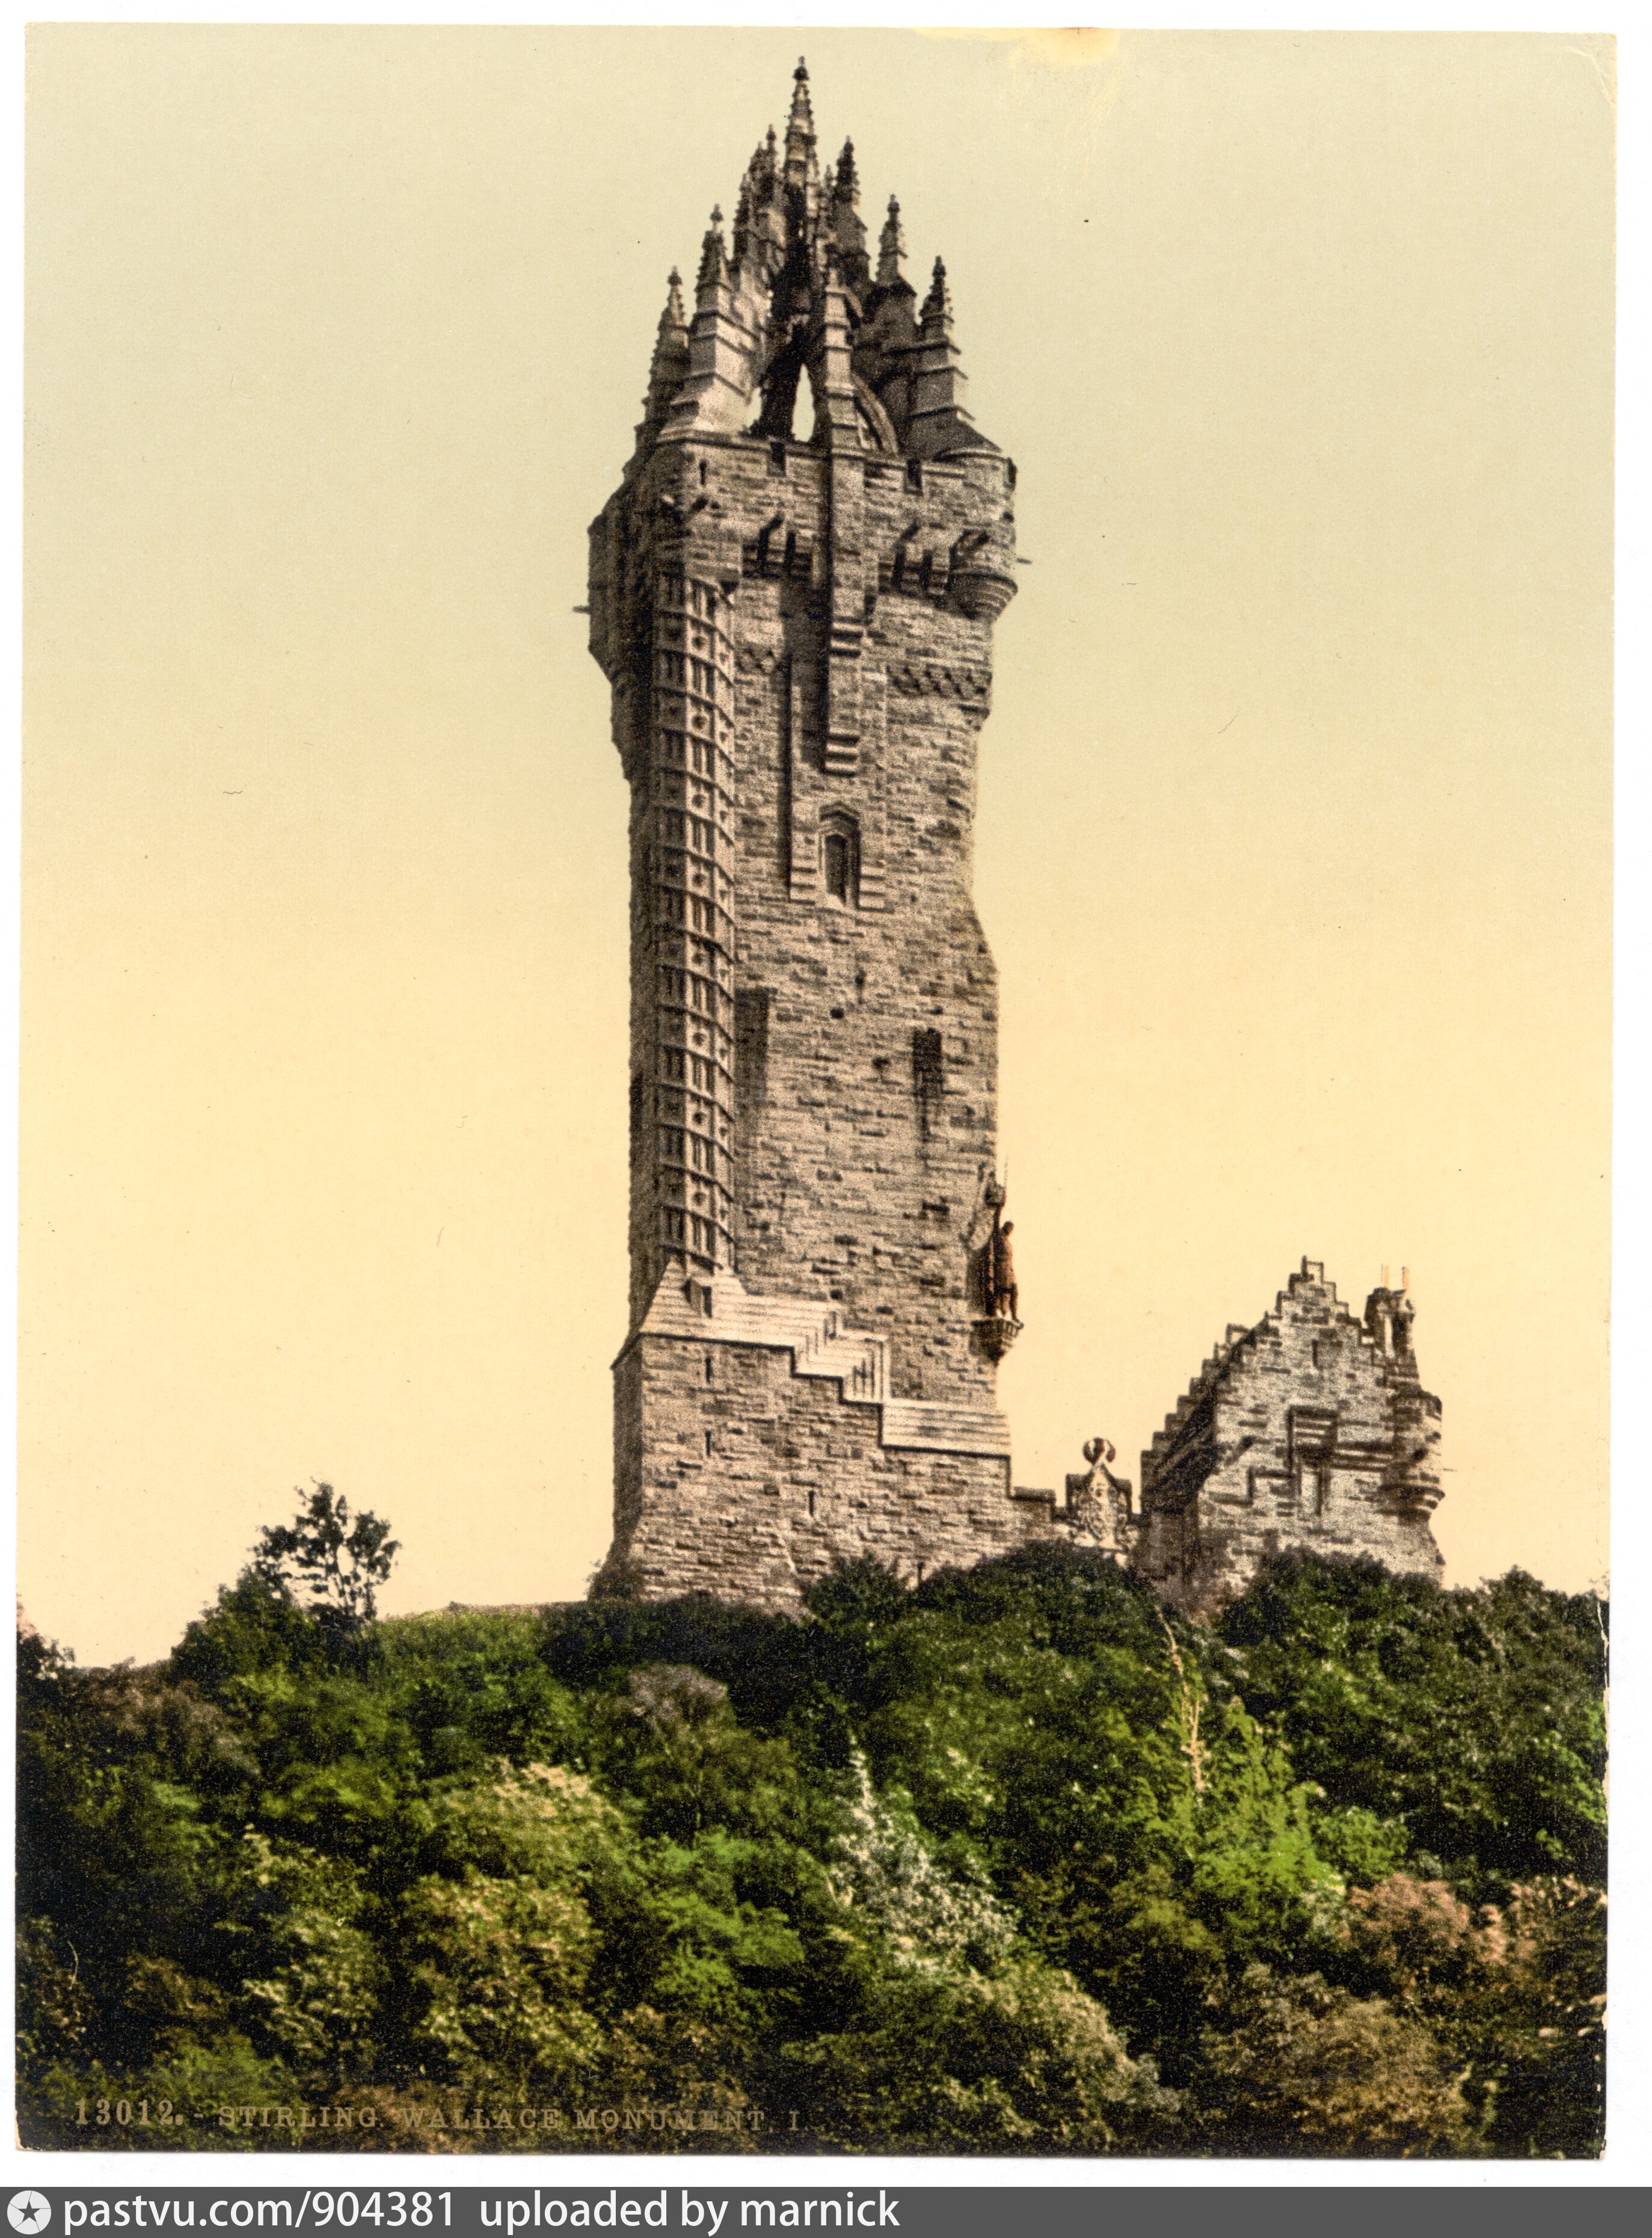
793 595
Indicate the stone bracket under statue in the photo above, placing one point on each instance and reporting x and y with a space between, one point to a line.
718 1309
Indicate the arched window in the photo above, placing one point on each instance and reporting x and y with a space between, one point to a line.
840 859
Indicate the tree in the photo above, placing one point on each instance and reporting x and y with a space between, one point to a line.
325 1562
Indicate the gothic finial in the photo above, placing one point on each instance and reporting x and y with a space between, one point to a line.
937 304
891 247
714 261
848 182
800 125
760 172
670 364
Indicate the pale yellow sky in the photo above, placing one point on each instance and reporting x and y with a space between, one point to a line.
1294 835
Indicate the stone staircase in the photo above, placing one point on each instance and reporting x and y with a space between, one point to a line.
925 1423
718 1309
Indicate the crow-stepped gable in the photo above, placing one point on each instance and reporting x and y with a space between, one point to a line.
793 594
1310 1429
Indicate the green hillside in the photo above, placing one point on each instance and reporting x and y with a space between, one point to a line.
1010 1864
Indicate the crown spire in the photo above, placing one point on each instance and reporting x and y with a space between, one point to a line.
803 286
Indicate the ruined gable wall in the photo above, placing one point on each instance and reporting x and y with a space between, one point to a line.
1309 1436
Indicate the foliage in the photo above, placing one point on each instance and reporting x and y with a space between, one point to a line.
1476 1721
323 1562
1298 2066
881 1868
1015 1863
953 2061
1515 1991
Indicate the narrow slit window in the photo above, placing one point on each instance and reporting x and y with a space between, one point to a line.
927 1065
750 1046
840 861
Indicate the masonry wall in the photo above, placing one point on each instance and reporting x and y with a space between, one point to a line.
860 1171
794 1480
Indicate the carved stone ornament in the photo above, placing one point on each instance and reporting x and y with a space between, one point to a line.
996 1333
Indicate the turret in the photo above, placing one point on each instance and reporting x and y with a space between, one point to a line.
1388 1316
845 228
1414 1465
717 391
800 129
891 252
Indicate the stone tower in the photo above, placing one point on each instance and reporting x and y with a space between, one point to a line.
1310 1430
793 594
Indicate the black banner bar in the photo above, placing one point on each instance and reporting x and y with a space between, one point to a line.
1504 2203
